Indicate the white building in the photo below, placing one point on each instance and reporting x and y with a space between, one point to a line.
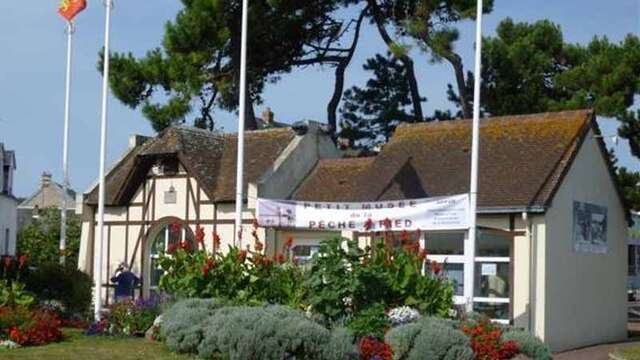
552 227
8 202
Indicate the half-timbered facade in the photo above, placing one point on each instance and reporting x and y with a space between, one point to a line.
186 177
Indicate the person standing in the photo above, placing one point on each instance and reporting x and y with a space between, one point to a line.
126 281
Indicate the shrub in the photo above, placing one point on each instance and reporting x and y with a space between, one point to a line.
370 321
344 280
429 338
13 294
26 327
528 344
65 284
243 276
40 240
342 345
11 317
182 325
132 318
206 328
13 268
272 332
43 328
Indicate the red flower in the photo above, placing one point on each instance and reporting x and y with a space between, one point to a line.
21 261
259 246
200 235
371 348
185 245
7 261
289 243
211 263
422 254
172 248
242 255
205 270
368 225
435 267
216 241
175 227
386 223
404 237
280 259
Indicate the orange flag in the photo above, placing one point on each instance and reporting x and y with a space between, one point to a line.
70 8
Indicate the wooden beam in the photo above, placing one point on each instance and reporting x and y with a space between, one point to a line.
142 223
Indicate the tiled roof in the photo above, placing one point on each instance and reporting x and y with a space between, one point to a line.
210 157
522 161
332 179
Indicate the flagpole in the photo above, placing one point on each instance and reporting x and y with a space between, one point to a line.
242 109
103 143
65 145
470 248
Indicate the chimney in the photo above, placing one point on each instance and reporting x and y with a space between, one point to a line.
46 179
267 116
136 140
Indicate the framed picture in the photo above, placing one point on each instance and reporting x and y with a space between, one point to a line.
589 228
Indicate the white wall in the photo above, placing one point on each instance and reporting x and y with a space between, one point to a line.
584 293
8 220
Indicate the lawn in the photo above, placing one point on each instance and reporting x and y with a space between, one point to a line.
628 353
78 346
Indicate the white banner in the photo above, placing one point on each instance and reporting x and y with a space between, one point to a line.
436 213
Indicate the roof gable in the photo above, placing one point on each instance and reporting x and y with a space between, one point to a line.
522 160
209 157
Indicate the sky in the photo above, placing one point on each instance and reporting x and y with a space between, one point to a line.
32 73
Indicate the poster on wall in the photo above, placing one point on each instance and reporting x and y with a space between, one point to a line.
589 228
437 213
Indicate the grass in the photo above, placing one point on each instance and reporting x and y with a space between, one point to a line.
78 346
628 353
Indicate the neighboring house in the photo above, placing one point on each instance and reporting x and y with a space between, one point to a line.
49 195
8 202
552 238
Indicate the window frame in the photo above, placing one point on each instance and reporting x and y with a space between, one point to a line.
460 259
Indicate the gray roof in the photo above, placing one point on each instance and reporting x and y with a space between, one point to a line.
49 196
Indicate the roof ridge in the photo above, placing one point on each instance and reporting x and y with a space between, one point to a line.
519 117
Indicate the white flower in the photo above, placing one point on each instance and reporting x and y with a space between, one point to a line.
158 321
8 344
402 315
453 313
347 301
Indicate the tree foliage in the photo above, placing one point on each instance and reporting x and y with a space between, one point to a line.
199 60
40 240
369 115
528 68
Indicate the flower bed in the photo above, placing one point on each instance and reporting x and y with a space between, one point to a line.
373 303
127 318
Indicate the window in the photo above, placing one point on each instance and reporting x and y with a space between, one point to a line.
492 270
7 233
632 260
170 234
170 166
304 253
